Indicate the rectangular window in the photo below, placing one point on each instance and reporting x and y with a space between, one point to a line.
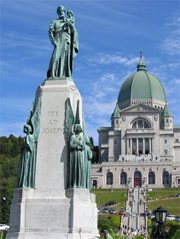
165 151
146 125
140 124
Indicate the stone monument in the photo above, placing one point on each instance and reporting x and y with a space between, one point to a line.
52 198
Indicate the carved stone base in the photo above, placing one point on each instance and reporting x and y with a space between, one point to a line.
83 214
71 217
35 218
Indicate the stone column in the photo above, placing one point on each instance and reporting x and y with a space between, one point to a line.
130 146
150 145
143 145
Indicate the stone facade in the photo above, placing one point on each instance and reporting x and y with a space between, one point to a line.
140 147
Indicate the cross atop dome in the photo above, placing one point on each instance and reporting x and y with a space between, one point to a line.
141 65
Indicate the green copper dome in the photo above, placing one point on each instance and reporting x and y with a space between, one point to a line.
141 85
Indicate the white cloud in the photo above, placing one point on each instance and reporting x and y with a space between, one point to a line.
177 81
107 59
171 44
30 43
174 22
106 85
100 103
98 109
171 65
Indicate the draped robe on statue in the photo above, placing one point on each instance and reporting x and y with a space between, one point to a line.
63 36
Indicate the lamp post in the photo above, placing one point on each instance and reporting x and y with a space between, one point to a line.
160 218
154 228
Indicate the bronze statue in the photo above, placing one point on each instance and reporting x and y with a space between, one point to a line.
27 169
87 163
64 37
77 158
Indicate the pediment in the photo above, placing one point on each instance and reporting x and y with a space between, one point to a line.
140 108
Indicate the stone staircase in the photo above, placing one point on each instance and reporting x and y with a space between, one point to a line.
134 222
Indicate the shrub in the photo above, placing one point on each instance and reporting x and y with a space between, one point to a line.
173 227
108 223
176 235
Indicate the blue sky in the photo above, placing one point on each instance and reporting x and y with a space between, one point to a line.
111 34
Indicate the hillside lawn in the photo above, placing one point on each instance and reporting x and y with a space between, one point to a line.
171 205
157 197
105 195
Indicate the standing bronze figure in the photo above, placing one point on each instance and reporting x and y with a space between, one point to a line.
64 37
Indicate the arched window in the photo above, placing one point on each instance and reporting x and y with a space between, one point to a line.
151 178
137 178
165 178
109 178
146 125
123 179
141 124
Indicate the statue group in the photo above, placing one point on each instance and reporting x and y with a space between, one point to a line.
64 37
53 188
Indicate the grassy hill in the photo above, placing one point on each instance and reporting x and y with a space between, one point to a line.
156 198
105 195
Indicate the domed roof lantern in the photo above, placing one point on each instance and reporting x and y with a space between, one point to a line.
141 65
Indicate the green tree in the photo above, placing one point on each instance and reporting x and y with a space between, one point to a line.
173 227
10 148
107 223
94 150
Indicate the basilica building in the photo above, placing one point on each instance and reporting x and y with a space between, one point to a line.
142 146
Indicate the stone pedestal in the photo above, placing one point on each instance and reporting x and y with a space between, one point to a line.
83 211
38 218
49 211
